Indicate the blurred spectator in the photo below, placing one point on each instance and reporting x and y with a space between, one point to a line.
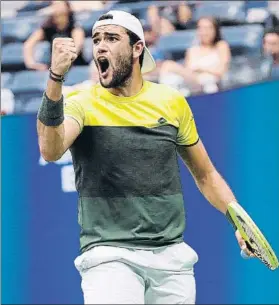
271 47
61 23
205 63
93 79
273 7
7 101
169 18
79 6
151 38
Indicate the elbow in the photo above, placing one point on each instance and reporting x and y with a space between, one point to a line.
50 156
205 178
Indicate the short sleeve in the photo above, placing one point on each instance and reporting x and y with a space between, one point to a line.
187 130
73 109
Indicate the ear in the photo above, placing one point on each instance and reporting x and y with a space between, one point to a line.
138 49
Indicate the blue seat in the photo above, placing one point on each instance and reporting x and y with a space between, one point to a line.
274 73
76 75
139 9
86 20
230 12
173 46
12 57
6 80
87 49
42 52
20 28
29 81
31 105
141 5
246 70
256 4
28 85
244 39
32 6
27 102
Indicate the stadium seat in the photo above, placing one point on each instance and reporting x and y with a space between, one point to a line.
244 39
28 85
6 80
275 73
246 70
29 81
12 57
139 9
32 6
256 4
20 28
31 105
76 75
174 45
227 12
87 49
87 20
42 52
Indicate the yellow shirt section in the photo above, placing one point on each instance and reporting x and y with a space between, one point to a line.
155 105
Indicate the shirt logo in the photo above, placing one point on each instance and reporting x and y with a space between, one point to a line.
162 121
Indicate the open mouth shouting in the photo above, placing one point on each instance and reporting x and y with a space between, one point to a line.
103 66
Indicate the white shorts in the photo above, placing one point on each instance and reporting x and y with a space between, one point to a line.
114 275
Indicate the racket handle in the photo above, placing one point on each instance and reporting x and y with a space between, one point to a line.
244 255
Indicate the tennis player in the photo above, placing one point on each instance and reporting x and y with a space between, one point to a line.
124 135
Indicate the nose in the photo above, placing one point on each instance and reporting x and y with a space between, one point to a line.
101 47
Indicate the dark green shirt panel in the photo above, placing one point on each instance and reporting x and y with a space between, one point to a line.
126 161
132 221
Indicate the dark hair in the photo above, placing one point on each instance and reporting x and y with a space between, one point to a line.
216 25
132 36
50 23
272 31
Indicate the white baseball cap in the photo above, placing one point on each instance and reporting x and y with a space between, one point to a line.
130 22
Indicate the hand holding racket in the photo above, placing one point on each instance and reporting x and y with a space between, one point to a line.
249 236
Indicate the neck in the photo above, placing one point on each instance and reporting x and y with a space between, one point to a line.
62 26
131 87
207 45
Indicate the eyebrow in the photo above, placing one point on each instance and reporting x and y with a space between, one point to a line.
106 34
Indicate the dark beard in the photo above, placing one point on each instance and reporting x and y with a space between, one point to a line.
122 72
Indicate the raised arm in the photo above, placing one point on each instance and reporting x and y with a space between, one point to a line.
56 133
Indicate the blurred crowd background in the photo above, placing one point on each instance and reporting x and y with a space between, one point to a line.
200 47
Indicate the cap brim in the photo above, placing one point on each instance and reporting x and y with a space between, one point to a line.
148 63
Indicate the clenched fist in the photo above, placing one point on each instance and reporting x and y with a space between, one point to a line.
63 55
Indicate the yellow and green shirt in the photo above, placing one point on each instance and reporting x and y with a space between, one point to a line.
126 165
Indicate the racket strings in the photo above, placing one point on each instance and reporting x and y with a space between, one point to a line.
257 250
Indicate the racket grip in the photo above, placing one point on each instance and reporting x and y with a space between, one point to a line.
244 255
229 218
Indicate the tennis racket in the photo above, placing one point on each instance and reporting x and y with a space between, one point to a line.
253 237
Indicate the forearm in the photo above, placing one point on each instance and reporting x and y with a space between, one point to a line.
218 71
28 54
78 37
51 138
216 190
51 141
